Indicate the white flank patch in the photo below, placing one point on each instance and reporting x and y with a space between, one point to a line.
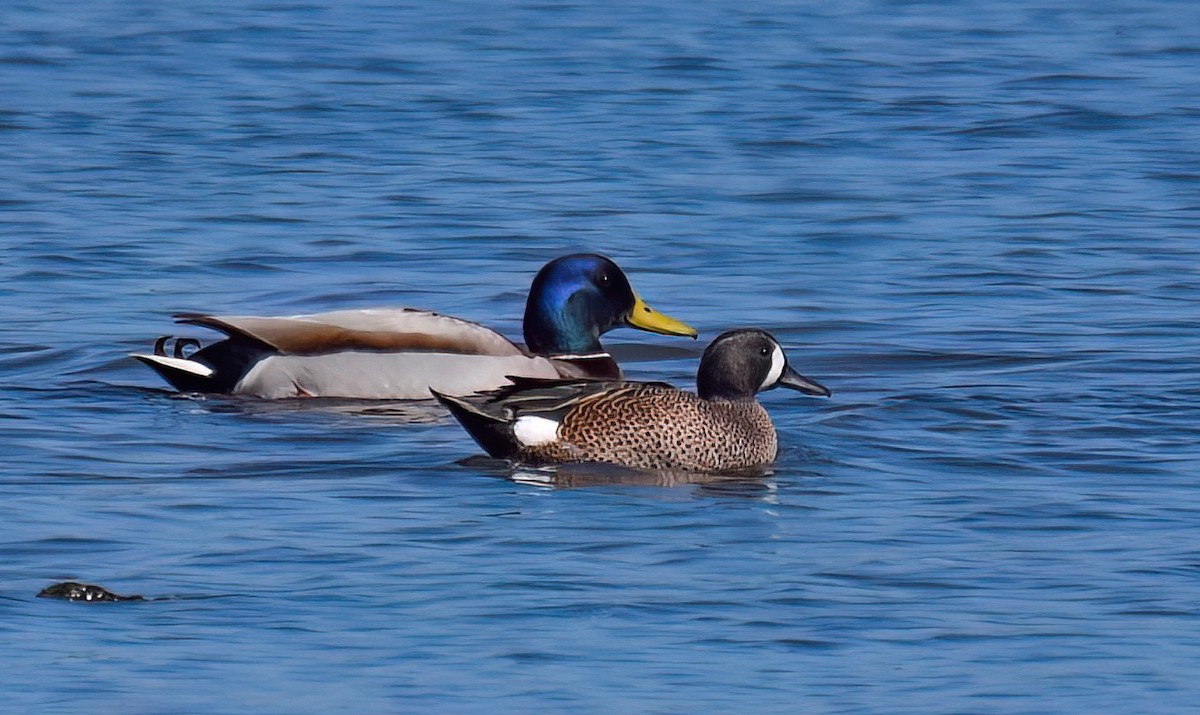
532 431
181 364
776 372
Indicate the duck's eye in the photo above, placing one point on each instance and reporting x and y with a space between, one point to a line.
764 351
604 279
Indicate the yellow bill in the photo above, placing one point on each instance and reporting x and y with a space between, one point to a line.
646 318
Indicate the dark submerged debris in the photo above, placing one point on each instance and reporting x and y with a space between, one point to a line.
75 591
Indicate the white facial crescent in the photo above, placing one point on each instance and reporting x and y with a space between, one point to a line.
776 371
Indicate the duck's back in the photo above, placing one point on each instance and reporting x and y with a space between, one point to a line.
655 426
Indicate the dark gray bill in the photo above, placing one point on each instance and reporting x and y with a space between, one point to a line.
795 381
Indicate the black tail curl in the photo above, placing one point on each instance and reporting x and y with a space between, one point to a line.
160 346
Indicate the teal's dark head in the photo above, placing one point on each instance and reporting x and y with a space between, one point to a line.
741 363
576 299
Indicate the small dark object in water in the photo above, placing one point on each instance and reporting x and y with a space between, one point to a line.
75 591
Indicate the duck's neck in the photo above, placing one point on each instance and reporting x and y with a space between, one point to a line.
556 329
548 340
722 391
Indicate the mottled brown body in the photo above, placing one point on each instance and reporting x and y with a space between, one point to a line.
648 426
645 425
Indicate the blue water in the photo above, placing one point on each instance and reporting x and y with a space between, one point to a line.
977 223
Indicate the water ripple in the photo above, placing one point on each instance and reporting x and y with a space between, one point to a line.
975 226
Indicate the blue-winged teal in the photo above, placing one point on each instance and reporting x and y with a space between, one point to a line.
646 425
400 353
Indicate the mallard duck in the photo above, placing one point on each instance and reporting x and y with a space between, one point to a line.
401 353
644 425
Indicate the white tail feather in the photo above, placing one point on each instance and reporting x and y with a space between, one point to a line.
181 364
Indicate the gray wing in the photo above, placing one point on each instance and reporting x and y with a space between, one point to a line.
378 329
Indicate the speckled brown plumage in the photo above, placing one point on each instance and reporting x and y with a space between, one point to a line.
649 426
